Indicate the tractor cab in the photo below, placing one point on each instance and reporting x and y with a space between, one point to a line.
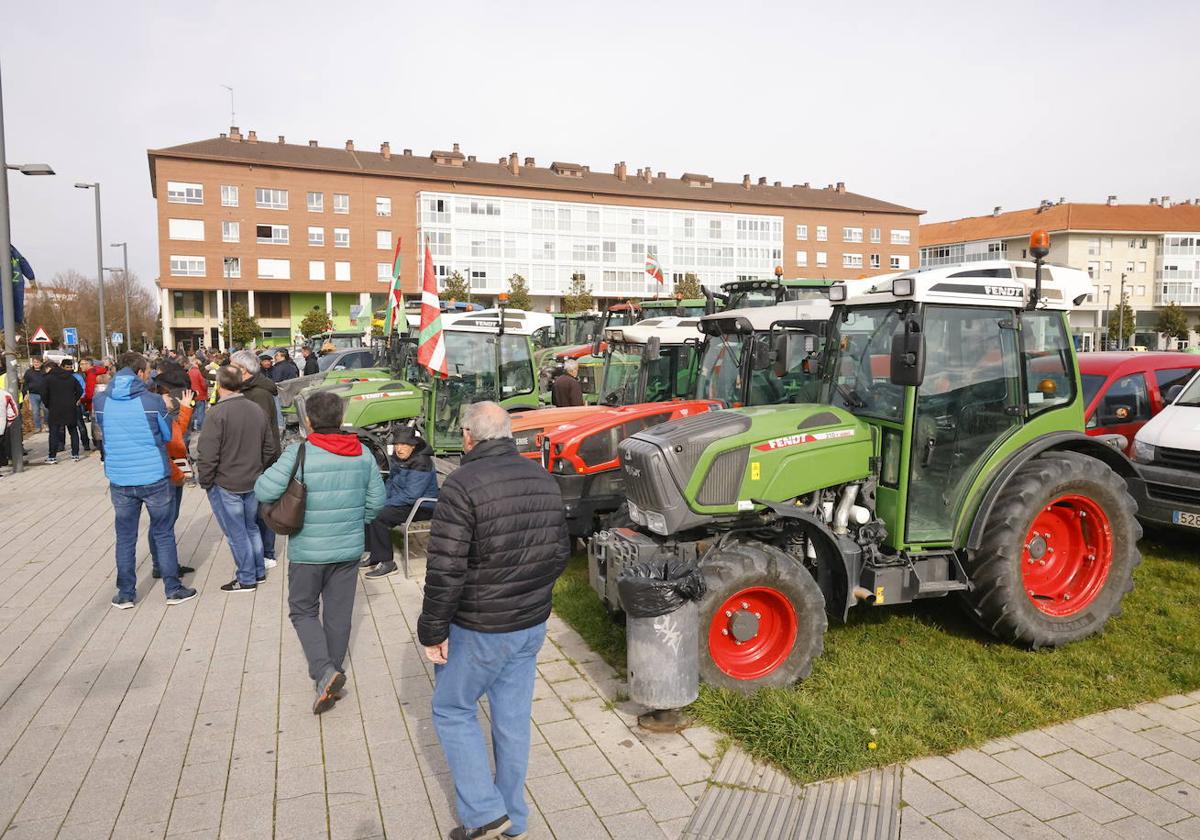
747 294
651 361
678 306
338 339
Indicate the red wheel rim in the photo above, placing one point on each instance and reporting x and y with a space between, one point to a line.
1067 555
752 632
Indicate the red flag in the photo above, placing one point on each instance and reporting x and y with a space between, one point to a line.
431 349
653 268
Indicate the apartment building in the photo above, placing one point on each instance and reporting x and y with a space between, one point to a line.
1150 252
283 228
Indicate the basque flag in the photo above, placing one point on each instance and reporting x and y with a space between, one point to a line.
431 348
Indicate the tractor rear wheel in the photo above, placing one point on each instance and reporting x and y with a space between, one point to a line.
762 619
1058 554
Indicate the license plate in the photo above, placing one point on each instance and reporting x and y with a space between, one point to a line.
1181 517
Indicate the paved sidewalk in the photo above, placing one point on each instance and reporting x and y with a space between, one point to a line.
195 720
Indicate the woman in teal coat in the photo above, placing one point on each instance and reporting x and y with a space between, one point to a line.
344 493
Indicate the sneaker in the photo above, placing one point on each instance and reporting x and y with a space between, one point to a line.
259 580
367 563
76 458
51 460
382 570
235 586
270 562
122 602
485 832
327 693
183 593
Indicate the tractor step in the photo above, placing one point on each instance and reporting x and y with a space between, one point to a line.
940 587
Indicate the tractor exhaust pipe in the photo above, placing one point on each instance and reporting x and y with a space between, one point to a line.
861 593
841 516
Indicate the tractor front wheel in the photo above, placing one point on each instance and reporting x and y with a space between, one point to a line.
1058 554
762 618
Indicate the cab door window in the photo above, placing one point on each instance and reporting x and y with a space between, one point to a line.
1046 354
516 366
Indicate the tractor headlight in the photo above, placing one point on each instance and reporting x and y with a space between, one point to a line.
656 522
636 514
1143 452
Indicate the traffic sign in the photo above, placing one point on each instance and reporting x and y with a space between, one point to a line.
70 336
40 337
118 338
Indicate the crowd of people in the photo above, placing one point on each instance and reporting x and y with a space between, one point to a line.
498 536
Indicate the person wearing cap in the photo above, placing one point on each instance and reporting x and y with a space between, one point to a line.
62 395
265 363
412 476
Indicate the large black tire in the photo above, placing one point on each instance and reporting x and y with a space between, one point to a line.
1000 602
743 565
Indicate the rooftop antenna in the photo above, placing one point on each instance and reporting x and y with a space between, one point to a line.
232 113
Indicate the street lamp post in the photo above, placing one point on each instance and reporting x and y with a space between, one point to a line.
1107 317
6 291
1121 315
124 246
99 264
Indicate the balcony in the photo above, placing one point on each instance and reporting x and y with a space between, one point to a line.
1181 293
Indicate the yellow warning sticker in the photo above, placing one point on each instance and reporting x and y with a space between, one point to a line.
878 594
755 470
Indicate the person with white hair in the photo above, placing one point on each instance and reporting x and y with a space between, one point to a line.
497 544
260 390
566 390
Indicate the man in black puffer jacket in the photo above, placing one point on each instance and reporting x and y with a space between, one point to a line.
498 543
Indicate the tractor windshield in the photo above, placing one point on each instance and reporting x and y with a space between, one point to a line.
619 382
720 375
855 373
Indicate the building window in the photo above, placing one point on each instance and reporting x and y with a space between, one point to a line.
874 261
714 229
231 231
341 237
898 263
1094 246
1141 267
233 267
801 259
548 249
637 226
269 199
316 202
1129 267
188 304
274 269
187 266
1093 269
689 227
341 270
1141 290
271 234
901 237
802 232
822 258
1142 243
383 239
383 206
610 251
822 233
874 234
341 203
229 196
1108 265
852 261
316 236
593 221
383 271
182 192
316 269
188 229
852 234
271 305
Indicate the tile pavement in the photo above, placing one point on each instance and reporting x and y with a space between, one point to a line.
194 721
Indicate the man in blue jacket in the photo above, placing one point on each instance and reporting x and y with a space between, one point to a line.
412 477
135 426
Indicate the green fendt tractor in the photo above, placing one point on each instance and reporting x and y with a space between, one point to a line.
945 455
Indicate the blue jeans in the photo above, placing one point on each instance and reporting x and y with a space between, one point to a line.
176 501
235 514
38 410
502 666
268 536
127 505
198 415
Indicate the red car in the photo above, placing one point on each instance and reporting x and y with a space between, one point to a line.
1121 391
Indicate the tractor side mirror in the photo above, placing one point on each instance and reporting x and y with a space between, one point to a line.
653 349
787 347
908 355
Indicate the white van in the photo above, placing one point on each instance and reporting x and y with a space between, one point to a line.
1167 453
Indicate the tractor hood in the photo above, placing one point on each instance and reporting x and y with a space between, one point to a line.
528 426
685 473
370 403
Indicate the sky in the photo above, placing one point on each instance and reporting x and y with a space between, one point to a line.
951 107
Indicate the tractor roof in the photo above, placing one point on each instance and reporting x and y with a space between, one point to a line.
772 283
669 329
516 321
1006 283
760 318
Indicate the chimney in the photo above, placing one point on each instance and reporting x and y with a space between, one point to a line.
470 158
806 185
1112 201
996 211
385 149
235 133
778 183
746 181
529 163
408 152
841 186
1062 199
456 147
280 138
252 137
1153 200
662 175
1166 201
349 145
645 174
762 182
620 171
223 135
514 168
586 169
312 144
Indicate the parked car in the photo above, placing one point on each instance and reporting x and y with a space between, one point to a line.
1123 390
1167 452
